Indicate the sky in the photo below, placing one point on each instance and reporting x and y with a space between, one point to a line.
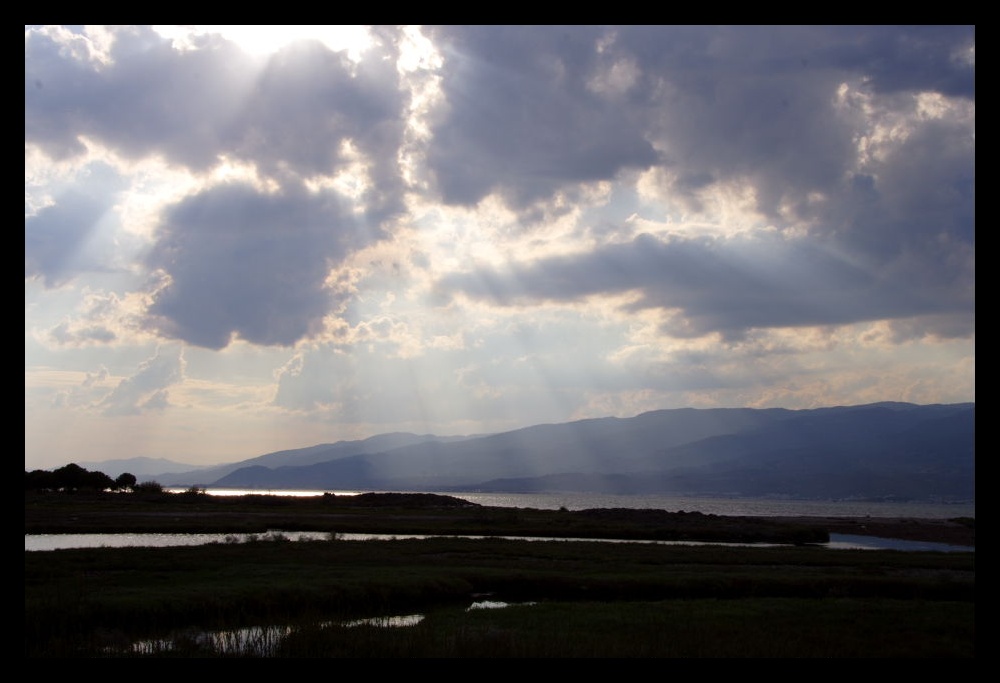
244 239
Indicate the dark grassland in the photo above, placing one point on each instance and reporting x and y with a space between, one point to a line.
568 598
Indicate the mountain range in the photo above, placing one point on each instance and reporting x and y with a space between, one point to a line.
879 451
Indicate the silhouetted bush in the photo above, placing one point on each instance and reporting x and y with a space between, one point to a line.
148 487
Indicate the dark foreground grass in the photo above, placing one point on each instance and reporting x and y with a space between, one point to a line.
590 599
745 628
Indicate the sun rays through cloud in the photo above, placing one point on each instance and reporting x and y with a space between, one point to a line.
240 239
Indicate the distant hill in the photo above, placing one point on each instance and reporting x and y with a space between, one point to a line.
140 467
883 451
300 457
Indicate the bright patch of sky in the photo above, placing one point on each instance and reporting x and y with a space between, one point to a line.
242 239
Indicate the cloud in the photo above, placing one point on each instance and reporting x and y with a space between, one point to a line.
871 177
468 228
145 98
71 235
519 118
228 261
938 59
146 390
308 101
723 285
760 104
240 263
289 115
96 378
74 335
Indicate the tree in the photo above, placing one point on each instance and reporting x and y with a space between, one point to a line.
38 480
125 481
70 477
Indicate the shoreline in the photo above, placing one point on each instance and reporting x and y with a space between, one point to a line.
930 530
434 513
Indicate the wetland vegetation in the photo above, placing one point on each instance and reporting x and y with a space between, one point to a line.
566 598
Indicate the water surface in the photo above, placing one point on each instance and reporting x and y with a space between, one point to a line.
43 542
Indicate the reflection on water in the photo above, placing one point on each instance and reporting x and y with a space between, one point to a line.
263 641
849 542
41 542
387 622
492 604
34 542
37 542
486 604
257 641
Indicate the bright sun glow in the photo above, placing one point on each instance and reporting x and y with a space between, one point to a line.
266 39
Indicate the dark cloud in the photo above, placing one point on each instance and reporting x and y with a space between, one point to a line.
725 286
523 117
151 99
912 219
289 115
753 104
890 235
760 104
529 113
248 264
307 101
519 118
932 58
908 58
925 189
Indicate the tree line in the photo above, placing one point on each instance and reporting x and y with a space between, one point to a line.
72 477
